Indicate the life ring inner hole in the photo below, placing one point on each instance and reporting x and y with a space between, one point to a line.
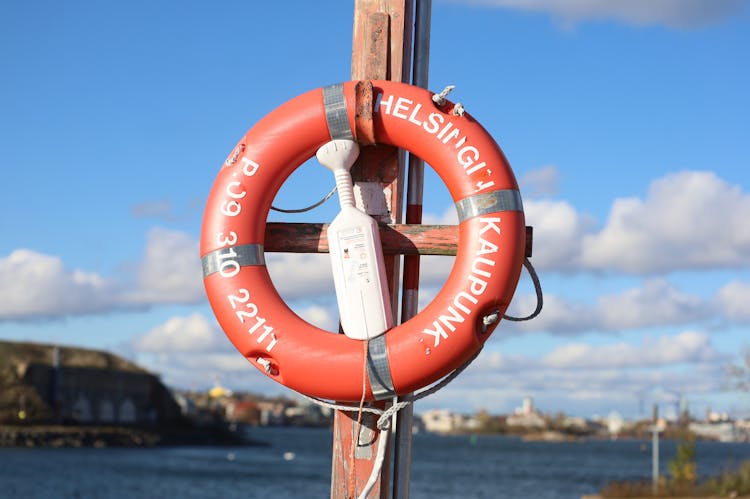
304 280
438 209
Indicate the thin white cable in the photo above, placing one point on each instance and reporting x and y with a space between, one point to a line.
378 465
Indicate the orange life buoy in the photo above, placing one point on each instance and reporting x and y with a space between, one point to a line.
413 354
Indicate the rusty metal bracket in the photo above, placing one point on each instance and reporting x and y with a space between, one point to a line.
364 130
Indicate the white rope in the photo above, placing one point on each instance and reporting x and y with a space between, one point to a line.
342 407
385 415
439 99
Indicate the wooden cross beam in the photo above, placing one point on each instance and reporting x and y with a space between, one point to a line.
397 239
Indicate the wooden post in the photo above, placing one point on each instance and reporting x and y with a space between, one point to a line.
381 49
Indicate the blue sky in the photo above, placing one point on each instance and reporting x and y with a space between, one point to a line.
625 122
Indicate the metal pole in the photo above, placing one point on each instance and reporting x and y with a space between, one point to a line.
410 298
655 452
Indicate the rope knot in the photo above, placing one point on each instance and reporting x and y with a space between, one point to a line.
439 99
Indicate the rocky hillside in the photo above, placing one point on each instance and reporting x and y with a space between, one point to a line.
18 399
19 354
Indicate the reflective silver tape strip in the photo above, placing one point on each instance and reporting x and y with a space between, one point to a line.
378 369
336 116
245 255
489 202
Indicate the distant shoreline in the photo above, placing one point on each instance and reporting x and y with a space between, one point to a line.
84 436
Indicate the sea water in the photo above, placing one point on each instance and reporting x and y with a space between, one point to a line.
296 463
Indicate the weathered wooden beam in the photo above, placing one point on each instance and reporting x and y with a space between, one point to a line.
397 239
381 49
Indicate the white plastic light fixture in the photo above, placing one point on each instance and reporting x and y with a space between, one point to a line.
356 252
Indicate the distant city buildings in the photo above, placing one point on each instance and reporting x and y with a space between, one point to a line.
442 421
526 416
43 384
615 424
253 410
532 424
725 431
718 426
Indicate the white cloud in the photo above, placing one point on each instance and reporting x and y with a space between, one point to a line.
170 271
590 378
207 365
34 285
298 275
689 220
686 347
191 351
734 301
558 316
635 239
558 232
672 13
540 182
434 270
655 303
448 217
320 316
490 361
193 333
